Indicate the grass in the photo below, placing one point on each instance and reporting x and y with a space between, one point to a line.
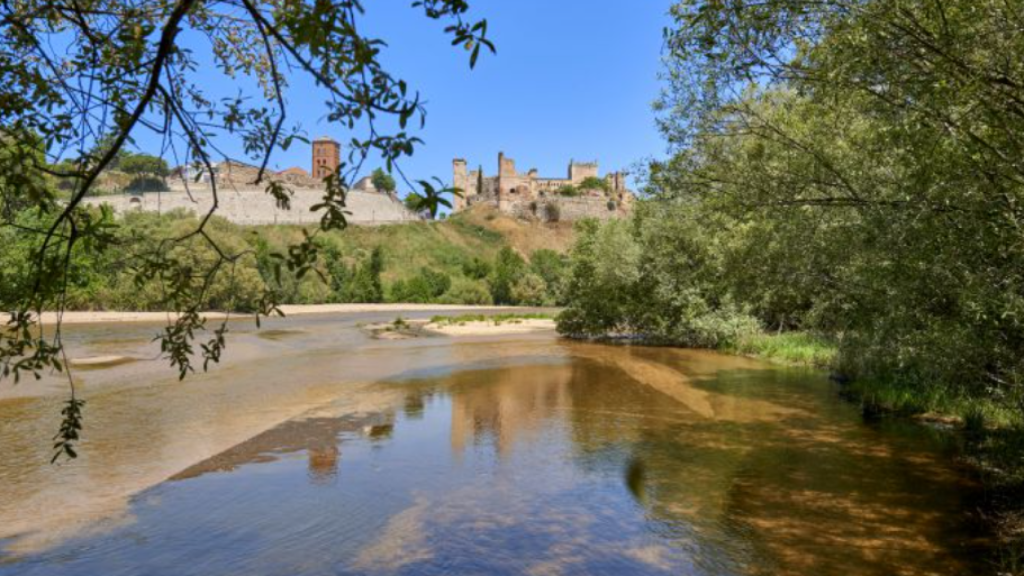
975 413
799 348
889 395
443 246
497 319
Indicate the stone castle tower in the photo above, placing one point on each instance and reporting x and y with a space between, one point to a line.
516 192
326 157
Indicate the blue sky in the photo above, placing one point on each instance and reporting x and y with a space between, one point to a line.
571 79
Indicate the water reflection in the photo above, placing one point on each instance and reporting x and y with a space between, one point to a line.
504 410
613 461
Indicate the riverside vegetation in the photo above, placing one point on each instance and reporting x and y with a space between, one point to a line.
845 175
83 84
462 260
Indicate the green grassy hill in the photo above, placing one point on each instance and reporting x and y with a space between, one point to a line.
476 257
444 245
464 248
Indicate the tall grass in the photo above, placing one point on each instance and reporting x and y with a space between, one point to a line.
798 348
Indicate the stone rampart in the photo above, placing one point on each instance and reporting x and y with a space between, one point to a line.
567 208
253 206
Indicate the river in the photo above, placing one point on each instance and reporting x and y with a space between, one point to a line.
314 449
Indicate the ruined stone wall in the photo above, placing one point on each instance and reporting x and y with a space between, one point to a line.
460 180
568 209
252 206
579 172
521 194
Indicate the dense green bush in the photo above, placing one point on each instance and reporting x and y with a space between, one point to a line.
427 287
101 281
476 269
467 292
552 267
652 279
529 290
593 183
428 265
147 184
366 286
507 268
862 183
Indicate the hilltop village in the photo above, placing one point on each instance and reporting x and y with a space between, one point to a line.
527 196
241 201
583 193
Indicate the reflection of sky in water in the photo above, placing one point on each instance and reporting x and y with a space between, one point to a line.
572 468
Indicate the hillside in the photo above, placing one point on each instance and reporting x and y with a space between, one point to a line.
444 245
475 257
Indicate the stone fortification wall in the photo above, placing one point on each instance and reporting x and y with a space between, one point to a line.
511 190
567 209
253 206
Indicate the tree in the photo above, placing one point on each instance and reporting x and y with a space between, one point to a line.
144 165
507 268
551 267
593 183
129 63
476 269
426 287
851 167
529 290
414 202
383 181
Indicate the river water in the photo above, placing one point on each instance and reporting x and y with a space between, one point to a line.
316 450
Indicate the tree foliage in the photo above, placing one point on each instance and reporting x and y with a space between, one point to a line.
507 268
383 181
850 167
143 165
593 183
83 79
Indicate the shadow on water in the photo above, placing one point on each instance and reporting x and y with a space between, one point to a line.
613 461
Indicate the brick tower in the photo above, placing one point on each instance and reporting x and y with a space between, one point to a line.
326 157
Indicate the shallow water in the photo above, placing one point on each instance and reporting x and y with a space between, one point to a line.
521 455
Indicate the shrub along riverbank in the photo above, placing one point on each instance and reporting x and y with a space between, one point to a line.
666 277
845 169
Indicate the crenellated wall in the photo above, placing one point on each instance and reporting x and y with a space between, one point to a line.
520 194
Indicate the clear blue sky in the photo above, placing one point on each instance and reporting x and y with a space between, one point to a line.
571 79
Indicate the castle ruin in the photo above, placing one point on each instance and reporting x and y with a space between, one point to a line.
242 201
582 193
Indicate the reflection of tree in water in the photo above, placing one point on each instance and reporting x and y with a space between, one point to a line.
414 405
319 437
724 475
323 464
816 492
511 407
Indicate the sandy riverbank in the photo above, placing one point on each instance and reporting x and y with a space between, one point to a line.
488 328
96 317
413 328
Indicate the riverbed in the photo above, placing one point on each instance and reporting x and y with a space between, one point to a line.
316 449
